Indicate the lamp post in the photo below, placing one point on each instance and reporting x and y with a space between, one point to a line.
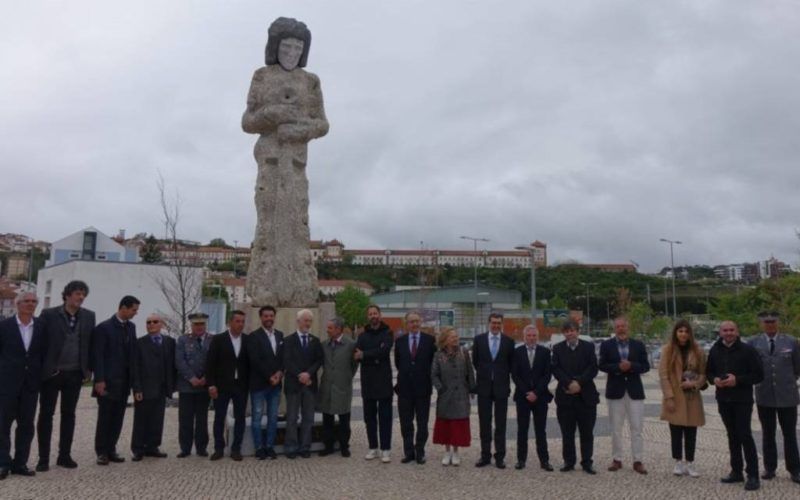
672 266
532 250
588 318
475 241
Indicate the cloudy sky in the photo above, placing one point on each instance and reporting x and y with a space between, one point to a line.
596 127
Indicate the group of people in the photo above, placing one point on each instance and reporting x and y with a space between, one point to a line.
53 355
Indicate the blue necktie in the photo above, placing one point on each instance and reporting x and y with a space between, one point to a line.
494 345
305 342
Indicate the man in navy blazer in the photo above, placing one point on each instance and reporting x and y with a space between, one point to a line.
625 359
113 349
491 356
22 353
531 373
413 358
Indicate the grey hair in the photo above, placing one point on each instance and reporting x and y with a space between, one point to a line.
23 294
337 322
304 312
529 327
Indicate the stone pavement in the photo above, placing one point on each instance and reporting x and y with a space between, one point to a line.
334 477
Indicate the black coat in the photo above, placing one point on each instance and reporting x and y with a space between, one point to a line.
631 381
222 364
527 379
154 367
296 360
579 365
113 349
414 375
20 369
56 327
264 362
376 368
741 360
492 376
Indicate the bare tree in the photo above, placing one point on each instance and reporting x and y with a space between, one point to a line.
182 287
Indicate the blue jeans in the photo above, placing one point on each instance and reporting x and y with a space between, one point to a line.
272 397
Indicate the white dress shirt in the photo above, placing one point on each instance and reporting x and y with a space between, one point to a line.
237 348
272 341
26 331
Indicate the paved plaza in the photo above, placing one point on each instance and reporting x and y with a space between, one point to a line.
334 477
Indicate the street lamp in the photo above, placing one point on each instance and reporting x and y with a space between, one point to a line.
588 319
475 280
532 250
672 266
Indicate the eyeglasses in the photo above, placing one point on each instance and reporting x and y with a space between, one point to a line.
152 321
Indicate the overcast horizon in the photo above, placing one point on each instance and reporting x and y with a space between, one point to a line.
595 127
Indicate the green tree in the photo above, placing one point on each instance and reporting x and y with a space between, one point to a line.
151 254
781 295
218 242
351 305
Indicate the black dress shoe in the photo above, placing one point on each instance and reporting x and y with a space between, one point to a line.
407 459
291 455
271 454
155 454
217 455
236 456
137 457
115 458
500 464
305 454
546 466
202 453
66 462
483 462
567 468
795 477
3 473
768 474
23 471
103 460
42 467
732 478
519 465
421 459
345 453
589 470
752 483
325 452
183 454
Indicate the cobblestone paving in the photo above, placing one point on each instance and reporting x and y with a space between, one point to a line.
335 477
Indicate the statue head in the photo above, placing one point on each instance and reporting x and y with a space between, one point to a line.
294 53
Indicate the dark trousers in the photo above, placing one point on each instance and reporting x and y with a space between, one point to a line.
787 417
193 421
539 411
578 415
299 406
682 437
110 416
238 397
22 408
341 434
378 414
148 425
736 417
485 406
69 385
410 409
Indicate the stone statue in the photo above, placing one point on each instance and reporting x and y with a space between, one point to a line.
285 107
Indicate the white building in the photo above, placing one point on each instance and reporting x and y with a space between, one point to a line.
92 245
109 281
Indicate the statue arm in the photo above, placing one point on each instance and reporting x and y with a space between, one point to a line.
314 124
261 117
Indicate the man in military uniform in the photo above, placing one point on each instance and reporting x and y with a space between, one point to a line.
193 399
777 397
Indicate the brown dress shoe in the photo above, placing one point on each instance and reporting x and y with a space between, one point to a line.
638 467
615 466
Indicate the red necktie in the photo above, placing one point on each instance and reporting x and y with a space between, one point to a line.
413 346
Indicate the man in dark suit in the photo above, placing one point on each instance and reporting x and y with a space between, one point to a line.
265 351
227 369
68 331
625 360
153 383
113 350
413 358
22 353
530 371
492 353
191 352
302 358
575 366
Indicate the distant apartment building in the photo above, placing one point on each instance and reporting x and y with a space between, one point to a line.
752 272
203 255
17 266
93 245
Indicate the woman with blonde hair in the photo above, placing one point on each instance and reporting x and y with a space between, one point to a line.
682 373
453 377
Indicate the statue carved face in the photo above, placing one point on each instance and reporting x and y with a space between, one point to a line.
289 52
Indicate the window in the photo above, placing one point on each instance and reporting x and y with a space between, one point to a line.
48 287
89 245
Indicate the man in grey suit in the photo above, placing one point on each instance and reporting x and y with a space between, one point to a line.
67 332
190 361
777 397
336 387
